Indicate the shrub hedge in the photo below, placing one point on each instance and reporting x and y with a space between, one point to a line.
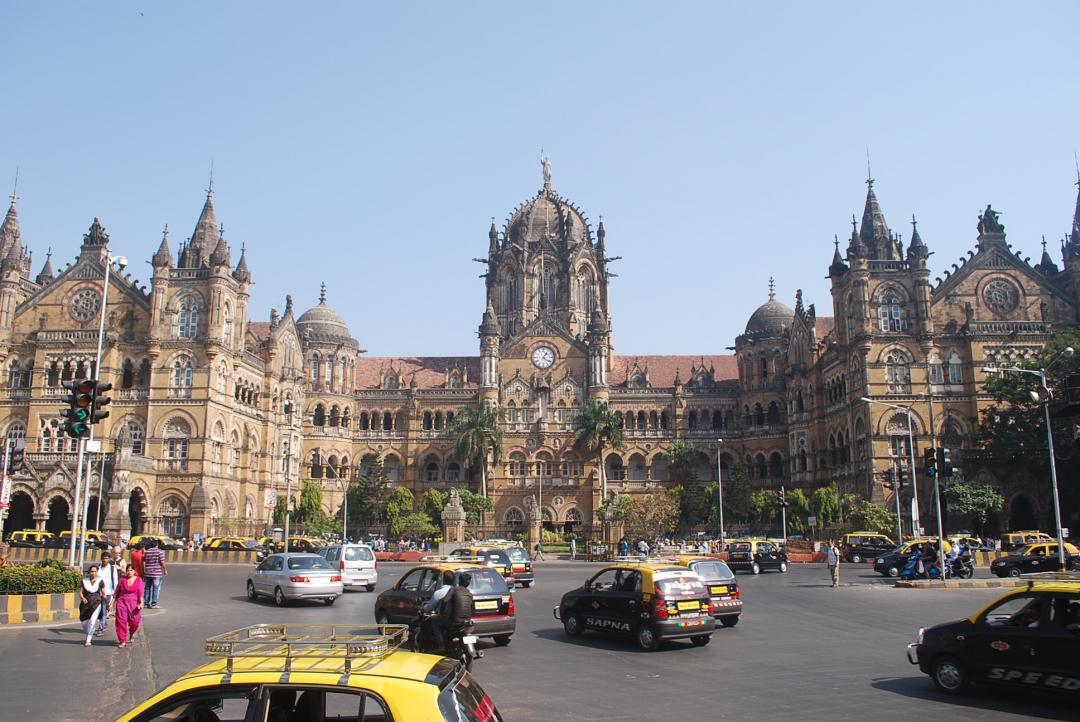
27 579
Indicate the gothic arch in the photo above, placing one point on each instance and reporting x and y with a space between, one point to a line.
174 415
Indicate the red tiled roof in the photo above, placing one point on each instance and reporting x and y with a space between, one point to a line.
260 329
430 371
824 325
661 369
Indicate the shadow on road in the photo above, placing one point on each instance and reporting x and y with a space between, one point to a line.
597 641
1016 701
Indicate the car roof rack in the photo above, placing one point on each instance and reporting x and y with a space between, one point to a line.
640 560
306 642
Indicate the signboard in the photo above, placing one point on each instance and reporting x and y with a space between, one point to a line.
5 492
811 521
271 499
1064 529
93 446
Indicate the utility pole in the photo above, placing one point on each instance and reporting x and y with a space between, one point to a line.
720 493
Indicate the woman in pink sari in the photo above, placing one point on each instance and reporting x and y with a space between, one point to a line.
129 602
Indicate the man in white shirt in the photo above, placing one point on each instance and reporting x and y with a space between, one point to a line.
432 607
832 558
110 576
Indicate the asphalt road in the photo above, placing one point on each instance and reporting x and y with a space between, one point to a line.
802 651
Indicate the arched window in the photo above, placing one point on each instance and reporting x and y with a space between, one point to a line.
390 382
335 415
144 373
345 418
319 417
227 322
891 313
188 318
937 370
16 432
514 516
131 435
180 383
431 470
177 438
453 471
517 464
897 373
316 464
776 465
223 377
760 466
127 374
759 415
956 370
773 416
691 421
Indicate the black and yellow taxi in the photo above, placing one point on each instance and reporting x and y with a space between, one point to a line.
226 544
859 546
892 562
649 601
314 672
1040 557
29 538
1027 639
756 556
1013 540
94 539
492 556
141 541
724 596
301 545
494 611
521 564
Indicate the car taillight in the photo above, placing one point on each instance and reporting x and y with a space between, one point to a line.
341 565
735 594
335 578
510 609
712 609
299 579
660 607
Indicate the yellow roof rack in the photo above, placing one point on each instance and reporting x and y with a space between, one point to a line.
286 642
640 560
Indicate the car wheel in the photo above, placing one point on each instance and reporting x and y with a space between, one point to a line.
279 597
465 658
503 639
856 559
893 571
370 587
701 640
755 568
1014 572
382 618
646 638
571 624
729 621
252 594
948 674
528 584
329 601
783 566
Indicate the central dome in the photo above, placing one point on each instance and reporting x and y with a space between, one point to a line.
545 215
323 323
771 318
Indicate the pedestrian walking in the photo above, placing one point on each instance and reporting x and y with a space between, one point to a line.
832 558
538 552
90 603
154 573
109 576
129 604
624 547
573 548
135 560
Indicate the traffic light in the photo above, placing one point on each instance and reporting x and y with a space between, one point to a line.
945 463
900 481
78 413
890 478
16 459
780 498
930 459
100 401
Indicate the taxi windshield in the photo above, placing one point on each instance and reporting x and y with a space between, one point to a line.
517 554
741 547
713 570
311 562
675 586
487 581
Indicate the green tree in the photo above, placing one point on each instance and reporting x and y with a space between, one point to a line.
416 524
978 500
474 505
826 505
398 506
309 511
369 494
763 508
868 516
594 429
798 507
737 493
432 503
478 436
682 459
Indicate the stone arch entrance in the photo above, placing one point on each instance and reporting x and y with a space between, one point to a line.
137 511
1022 513
20 513
95 513
59 515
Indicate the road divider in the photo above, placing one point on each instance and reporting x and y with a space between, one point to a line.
34 554
24 608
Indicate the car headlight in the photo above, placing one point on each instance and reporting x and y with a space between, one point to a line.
919 639
879 560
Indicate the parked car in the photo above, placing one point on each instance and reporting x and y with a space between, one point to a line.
291 577
756 556
1015 539
724 598
141 541
858 547
1041 557
29 538
356 562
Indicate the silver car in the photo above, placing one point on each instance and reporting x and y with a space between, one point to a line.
287 577
356 563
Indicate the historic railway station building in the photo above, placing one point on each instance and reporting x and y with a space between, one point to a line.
211 409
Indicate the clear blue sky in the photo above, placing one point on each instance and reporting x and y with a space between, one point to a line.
368 144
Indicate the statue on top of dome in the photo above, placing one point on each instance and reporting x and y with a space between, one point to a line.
545 164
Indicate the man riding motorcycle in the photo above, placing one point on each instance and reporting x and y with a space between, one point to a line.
437 620
457 607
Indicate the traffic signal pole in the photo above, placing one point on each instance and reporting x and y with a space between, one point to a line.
783 513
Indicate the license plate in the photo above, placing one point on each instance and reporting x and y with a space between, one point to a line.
718 590
487 605
688 606
469 639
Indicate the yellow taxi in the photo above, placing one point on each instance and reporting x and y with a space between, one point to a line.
724 596
492 556
316 672
1038 557
227 544
29 538
94 538
301 544
140 541
1016 539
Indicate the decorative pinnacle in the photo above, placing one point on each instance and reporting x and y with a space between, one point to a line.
1076 160
1044 243
165 233
15 188
322 293
914 223
210 188
869 176
836 242
772 296
854 224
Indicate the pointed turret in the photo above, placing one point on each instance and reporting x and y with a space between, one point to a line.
9 229
46 275
837 268
916 249
13 259
855 245
242 274
490 325
493 238
1074 236
874 233
220 255
204 236
600 233
163 257
1046 264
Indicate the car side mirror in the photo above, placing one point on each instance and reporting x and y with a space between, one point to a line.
585 586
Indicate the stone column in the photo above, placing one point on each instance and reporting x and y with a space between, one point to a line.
453 519
534 518
39 520
117 519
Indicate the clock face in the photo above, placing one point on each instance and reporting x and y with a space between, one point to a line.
543 357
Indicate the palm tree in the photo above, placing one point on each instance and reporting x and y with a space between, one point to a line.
682 460
594 429
478 434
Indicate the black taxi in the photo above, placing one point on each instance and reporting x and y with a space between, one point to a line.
1027 638
718 578
494 613
756 556
650 601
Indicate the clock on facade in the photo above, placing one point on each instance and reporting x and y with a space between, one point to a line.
85 304
543 357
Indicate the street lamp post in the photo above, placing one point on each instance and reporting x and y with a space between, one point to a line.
915 521
1041 374
720 492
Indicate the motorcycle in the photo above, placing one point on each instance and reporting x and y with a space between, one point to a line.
963 567
460 641
931 570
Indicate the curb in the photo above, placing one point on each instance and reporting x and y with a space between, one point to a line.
962 584
21 608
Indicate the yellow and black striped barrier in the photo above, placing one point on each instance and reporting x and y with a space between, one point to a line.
21 608
35 554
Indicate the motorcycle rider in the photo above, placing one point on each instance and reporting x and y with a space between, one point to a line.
437 620
457 607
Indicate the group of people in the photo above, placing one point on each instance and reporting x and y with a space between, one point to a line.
120 588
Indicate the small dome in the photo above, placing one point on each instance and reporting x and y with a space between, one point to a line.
771 318
323 323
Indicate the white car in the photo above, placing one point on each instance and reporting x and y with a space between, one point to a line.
356 562
291 577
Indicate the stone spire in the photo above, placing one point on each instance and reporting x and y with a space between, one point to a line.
1074 235
1046 264
837 267
600 234
9 229
242 274
220 255
204 236
163 257
490 325
916 248
493 238
46 274
873 232
322 293
856 247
